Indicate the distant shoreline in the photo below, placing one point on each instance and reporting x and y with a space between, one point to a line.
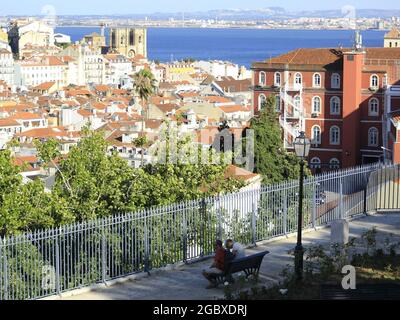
224 27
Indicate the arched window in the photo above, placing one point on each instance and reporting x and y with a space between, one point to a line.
131 37
297 101
298 79
113 39
335 105
277 79
297 105
335 81
262 79
316 105
374 81
316 135
334 163
315 163
261 100
317 80
334 135
373 107
373 136
278 103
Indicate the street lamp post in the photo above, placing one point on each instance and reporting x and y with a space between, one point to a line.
302 148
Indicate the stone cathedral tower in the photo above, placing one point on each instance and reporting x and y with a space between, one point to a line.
129 41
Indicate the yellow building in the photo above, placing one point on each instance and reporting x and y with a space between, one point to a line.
31 33
392 38
96 40
129 41
3 36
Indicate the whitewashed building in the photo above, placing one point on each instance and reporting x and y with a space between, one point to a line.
117 68
219 68
6 66
40 69
90 63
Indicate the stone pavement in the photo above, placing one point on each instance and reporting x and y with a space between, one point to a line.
187 283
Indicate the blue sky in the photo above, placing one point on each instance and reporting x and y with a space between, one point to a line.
145 6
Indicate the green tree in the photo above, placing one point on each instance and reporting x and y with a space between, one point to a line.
186 170
271 159
93 183
144 86
25 206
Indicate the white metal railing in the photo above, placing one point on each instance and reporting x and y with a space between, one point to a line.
48 262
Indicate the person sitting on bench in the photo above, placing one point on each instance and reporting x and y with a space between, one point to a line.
221 257
236 248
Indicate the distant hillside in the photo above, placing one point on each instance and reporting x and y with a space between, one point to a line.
277 13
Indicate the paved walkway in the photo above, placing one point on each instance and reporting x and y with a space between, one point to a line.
186 282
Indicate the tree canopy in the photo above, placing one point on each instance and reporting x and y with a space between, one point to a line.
92 182
271 159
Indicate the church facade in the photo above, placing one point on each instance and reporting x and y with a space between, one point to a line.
129 41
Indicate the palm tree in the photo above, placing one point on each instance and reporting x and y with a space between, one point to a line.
144 86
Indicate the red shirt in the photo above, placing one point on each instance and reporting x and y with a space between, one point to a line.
219 258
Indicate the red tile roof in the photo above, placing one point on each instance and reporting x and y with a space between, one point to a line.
45 86
7 122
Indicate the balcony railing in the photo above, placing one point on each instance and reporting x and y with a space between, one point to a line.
45 263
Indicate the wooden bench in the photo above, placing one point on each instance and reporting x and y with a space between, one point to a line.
250 265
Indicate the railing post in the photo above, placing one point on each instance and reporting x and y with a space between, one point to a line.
253 224
146 245
202 226
5 270
285 228
3 265
219 221
58 233
103 253
365 200
314 206
341 207
185 236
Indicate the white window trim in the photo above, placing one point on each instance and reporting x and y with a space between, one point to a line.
278 99
369 137
313 140
315 85
370 113
295 79
334 166
333 84
262 73
259 100
315 163
313 104
276 83
371 81
330 136
331 103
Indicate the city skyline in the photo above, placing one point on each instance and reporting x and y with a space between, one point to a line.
25 7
